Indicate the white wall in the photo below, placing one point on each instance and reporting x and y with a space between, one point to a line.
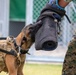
4 18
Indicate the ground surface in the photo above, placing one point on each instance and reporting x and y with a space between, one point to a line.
41 69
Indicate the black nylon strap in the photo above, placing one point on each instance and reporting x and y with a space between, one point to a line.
49 14
12 52
24 51
15 43
3 38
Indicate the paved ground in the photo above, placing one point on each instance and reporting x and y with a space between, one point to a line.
56 55
60 51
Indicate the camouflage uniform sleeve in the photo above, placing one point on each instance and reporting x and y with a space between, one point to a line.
68 0
69 64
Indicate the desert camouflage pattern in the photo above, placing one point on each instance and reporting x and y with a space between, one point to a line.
5 45
68 0
69 65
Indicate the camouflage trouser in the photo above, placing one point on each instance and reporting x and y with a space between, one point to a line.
69 65
68 0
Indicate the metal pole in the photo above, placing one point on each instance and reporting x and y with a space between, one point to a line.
29 11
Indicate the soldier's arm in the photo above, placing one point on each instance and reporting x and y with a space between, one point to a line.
64 3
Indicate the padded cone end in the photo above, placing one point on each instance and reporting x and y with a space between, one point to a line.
49 45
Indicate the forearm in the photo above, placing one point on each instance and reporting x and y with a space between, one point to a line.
64 3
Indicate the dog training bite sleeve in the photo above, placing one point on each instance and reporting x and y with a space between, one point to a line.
46 36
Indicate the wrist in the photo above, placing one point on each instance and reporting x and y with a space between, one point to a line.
55 4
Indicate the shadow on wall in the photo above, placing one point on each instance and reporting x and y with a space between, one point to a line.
15 27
